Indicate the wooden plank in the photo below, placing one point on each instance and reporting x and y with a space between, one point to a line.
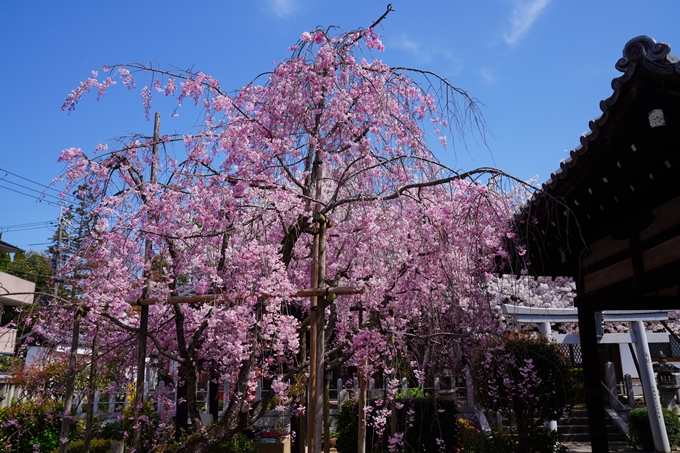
307 292
608 276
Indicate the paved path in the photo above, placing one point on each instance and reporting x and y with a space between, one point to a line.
584 447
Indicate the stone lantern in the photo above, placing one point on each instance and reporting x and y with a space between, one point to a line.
667 378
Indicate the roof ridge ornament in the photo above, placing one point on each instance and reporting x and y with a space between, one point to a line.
646 49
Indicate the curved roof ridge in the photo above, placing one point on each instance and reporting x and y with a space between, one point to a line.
654 55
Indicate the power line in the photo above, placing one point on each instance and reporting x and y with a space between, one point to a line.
42 193
53 203
21 225
30 180
14 230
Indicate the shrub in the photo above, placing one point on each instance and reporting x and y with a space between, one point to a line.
470 439
433 421
528 376
96 446
425 422
121 430
576 375
348 427
25 424
240 443
542 440
109 430
641 430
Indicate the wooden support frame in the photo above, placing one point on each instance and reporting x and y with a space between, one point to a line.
207 298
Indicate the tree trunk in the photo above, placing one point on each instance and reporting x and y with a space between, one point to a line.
207 438
187 370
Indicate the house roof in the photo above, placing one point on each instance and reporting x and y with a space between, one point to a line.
8 248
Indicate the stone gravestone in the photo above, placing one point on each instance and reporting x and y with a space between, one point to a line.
342 397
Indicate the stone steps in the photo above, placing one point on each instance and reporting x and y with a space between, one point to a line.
575 428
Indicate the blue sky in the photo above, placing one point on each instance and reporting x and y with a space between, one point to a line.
540 67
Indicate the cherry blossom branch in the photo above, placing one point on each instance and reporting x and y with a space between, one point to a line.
399 191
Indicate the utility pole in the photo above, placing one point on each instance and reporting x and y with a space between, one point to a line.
57 255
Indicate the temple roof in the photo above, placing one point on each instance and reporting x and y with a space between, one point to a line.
625 167
642 51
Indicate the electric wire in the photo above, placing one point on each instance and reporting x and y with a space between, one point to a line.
43 195
30 180
52 203
22 225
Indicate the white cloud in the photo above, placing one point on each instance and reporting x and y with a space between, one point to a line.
410 46
523 16
488 75
425 53
282 8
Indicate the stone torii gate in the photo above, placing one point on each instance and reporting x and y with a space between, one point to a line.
544 317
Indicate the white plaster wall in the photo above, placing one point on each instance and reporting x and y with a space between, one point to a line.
11 284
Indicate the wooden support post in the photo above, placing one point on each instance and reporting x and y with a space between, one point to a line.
312 438
317 338
213 395
326 416
592 381
70 382
181 411
92 394
299 424
361 437
144 318
392 384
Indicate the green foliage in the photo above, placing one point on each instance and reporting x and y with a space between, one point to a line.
641 430
25 424
543 440
8 362
410 393
122 430
470 439
348 427
109 430
576 375
422 420
240 443
96 446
